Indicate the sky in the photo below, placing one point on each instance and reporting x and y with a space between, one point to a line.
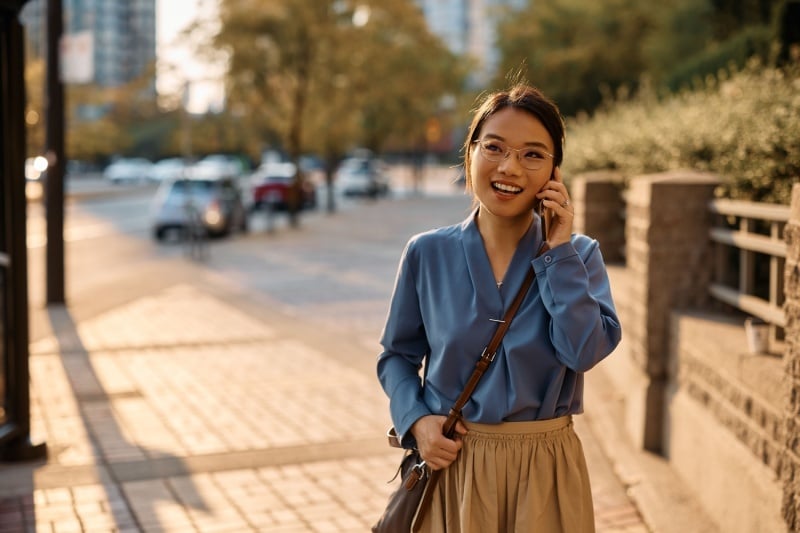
177 63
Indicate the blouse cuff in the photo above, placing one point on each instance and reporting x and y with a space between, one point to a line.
403 429
553 256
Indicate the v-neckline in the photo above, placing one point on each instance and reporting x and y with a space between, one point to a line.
480 269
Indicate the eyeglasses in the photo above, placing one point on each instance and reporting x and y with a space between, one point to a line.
529 157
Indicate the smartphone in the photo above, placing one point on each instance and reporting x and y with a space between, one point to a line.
545 214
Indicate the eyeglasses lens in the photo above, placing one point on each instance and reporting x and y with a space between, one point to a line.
496 151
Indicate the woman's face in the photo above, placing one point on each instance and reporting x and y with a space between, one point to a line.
506 188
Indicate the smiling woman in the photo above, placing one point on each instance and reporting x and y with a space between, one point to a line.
454 284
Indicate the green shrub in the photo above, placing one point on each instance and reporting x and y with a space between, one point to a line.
744 127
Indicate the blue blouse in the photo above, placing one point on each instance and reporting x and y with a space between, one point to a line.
444 298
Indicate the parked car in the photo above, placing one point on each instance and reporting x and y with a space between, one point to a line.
215 204
128 169
217 165
362 177
172 168
271 185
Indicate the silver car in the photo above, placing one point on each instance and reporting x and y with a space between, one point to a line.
208 206
362 177
135 169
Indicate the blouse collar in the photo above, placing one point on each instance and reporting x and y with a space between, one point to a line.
480 269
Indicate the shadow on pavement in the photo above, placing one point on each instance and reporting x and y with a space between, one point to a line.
132 494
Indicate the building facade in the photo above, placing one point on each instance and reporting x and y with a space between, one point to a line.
469 28
124 35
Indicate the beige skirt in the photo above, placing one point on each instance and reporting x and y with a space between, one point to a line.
515 477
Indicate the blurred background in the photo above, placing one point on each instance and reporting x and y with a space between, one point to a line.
203 385
685 84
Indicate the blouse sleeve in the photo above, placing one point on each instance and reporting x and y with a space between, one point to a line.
575 289
405 345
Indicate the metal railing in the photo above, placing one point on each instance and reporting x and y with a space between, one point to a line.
752 229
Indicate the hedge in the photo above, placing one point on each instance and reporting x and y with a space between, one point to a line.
743 126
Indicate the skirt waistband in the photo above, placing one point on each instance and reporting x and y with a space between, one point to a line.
520 428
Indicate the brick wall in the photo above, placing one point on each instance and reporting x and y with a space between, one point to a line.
599 211
724 419
668 257
791 468
692 391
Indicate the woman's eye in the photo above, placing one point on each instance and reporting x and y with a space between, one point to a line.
492 147
533 155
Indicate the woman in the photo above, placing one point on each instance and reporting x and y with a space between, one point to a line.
515 463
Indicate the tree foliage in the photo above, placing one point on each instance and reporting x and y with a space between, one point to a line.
743 126
579 50
100 121
731 16
571 49
679 29
328 75
34 107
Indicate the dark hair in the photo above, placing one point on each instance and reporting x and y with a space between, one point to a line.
523 97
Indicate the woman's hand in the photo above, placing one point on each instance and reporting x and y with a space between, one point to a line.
436 449
555 197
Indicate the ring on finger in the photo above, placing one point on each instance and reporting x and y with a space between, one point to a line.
565 204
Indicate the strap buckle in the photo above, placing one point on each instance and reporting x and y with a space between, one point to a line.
486 356
418 471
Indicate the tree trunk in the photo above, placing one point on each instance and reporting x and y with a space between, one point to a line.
296 130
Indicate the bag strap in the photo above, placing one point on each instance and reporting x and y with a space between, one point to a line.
454 415
487 356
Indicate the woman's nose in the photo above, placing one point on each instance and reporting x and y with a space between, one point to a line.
510 163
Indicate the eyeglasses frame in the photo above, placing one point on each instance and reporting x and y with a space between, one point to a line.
507 152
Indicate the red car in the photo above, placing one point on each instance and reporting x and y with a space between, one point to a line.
271 185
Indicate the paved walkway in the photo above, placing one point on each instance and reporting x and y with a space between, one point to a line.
179 412
182 411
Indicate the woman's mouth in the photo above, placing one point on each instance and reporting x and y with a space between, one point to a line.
506 188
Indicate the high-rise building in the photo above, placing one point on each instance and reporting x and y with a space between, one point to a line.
469 28
449 20
124 34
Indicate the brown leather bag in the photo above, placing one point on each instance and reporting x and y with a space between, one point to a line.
410 501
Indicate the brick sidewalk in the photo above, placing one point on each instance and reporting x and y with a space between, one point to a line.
179 412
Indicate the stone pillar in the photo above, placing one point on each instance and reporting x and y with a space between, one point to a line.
790 471
599 211
668 254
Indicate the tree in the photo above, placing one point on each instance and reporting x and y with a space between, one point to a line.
571 49
96 127
413 70
680 29
94 130
329 75
34 107
731 16
273 49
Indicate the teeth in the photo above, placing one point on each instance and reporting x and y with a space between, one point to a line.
507 188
